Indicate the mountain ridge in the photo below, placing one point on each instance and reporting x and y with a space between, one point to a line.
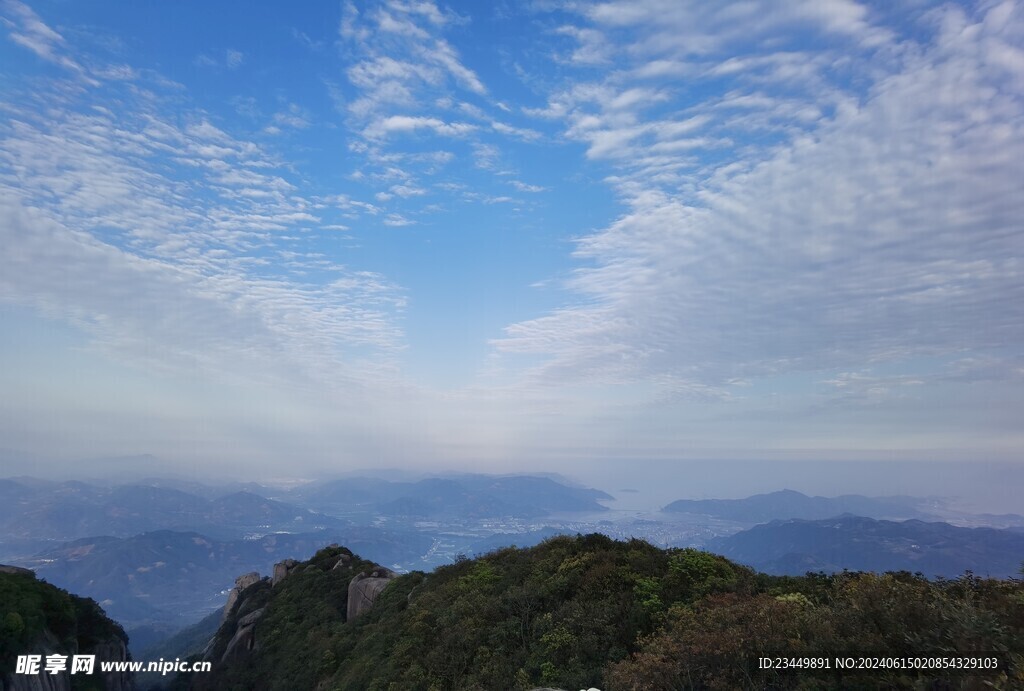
787 503
860 543
588 611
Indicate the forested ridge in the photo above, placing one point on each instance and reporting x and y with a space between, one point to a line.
576 612
37 618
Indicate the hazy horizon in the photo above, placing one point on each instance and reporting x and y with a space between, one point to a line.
974 487
290 241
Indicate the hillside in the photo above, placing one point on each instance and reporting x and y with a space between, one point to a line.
38 619
576 612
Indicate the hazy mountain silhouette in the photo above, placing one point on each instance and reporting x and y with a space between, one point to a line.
788 503
863 544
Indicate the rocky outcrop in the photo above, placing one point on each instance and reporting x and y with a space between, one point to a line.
244 639
241 583
37 682
282 569
236 637
113 651
364 589
108 650
46 644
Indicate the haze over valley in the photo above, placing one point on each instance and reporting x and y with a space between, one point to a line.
160 554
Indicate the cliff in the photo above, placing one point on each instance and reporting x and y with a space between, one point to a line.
364 589
37 618
253 612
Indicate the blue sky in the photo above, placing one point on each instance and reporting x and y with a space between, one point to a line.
511 235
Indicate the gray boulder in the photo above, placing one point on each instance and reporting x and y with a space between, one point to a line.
364 589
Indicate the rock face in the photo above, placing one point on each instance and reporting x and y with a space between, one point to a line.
106 650
252 628
38 682
46 644
364 589
114 651
235 639
282 569
241 583
244 639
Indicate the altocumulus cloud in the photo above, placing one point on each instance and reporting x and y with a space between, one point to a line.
886 231
181 251
818 200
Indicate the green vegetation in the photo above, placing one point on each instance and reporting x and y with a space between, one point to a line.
31 610
303 614
589 611
715 642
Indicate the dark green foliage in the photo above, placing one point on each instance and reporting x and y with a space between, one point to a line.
575 612
30 608
552 614
303 614
715 643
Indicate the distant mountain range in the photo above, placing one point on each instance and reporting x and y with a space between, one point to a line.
797 546
35 513
38 510
464 497
162 574
159 552
177 577
790 504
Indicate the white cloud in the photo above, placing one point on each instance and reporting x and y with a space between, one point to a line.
391 24
421 8
665 52
699 28
593 48
294 117
408 78
349 27
522 133
405 62
524 187
443 54
405 191
886 233
29 31
371 73
167 315
402 124
96 200
397 221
